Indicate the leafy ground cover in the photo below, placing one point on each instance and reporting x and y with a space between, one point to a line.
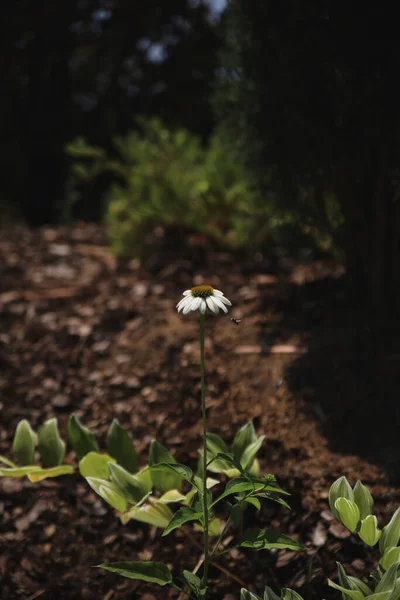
83 332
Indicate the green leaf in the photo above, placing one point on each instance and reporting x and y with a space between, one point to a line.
390 556
273 498
50 445
36 476
250 452
246 595
109 492
25 440
152 572
6 461
235 513
176 468
348 512
353 594
288 594
244 437
243 484
363 499
269 594
18 471
81 438
172 496
156 514
369 531
120 446
182 516
357 584
194 583
215 444
339 489
391 533
95 465
163 480
131 486
254 502
389 579
265 539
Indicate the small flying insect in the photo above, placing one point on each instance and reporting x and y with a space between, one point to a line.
236 321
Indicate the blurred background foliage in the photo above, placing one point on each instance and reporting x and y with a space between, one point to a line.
250 122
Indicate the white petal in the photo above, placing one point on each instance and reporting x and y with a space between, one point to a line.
218 302
203 306
210 304
196 303
218 293
188 306
183 303
225 300
186 293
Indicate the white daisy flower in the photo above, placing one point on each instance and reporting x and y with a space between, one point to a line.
201 297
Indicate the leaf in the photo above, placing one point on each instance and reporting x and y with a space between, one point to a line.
339 489
243 438
266 539
25 440
254 501
182 516
369 532
288 594
81 438
194 582
95 465
157 514
235 514
162 480
215 444
176 468
7 462
18 471
353 594
250 452
390 556
246 595
243 484
363 499
50 445
131 486
36 476
152 572
269 594
357 584
171 497
109 492
273 498
389 579
348 512
391 533
121 447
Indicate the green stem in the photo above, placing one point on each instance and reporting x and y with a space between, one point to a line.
219 540
204 417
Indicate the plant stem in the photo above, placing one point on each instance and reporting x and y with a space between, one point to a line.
204 417
219 540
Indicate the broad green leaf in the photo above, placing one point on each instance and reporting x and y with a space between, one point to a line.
254 501
235 513
6 461
182 516
95 465
389 579
348 512
391 533
250 452
357 584
131 486
109 492
244 437
162 479
120 446
273 498
339 489
369 531
344 579
144 476
176 468
242 484
215 444
255 468
353 594
36 476
288 594
269 594
225 463
363 499
158 514
381 596
25 440
18 471
266 539
81 438
246 595
172 496
50 445
214 527
390 556
152 572
194 583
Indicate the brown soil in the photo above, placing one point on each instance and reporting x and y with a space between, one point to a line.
82 332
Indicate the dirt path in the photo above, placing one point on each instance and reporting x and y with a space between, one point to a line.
82 332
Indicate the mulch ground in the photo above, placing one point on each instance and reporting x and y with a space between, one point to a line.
82 332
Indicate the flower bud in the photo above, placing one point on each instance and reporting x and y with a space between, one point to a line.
369 531
339 489
390 557
391 533
363 499
349 513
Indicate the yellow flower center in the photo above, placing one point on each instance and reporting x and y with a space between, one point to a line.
202 291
